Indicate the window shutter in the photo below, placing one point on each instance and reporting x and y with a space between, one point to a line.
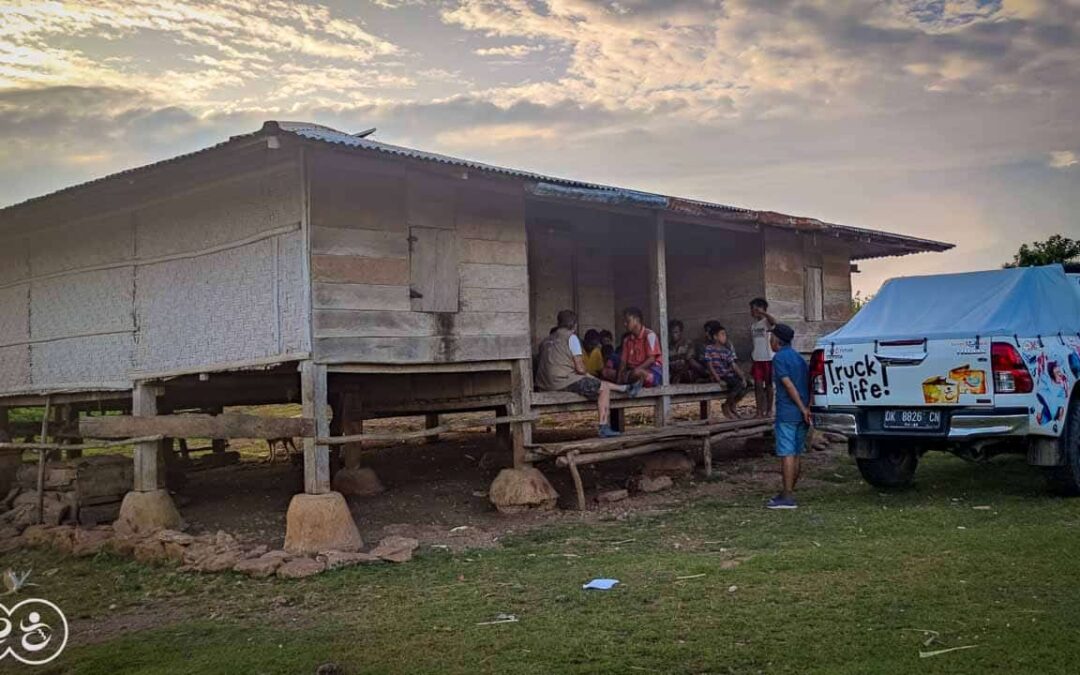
433 269
814 290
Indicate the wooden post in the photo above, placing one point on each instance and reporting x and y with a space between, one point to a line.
352 422
503 437
431 420
704 409
217 445
42 458
659 313
69 418
148 471
313 392
520 404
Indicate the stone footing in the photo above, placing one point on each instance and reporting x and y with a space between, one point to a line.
146 512
357 481
317 523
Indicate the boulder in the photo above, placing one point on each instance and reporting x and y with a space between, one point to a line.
357 481
258 551
298 568
612 496
396 549
63 538
219 561
149 551
89 542
338 559
174 552
174 537
518 490
37 535
648 484
259 568
670 463
316 523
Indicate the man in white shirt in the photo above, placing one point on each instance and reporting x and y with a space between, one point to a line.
762 356
561 367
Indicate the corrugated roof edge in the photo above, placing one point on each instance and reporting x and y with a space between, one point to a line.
318 133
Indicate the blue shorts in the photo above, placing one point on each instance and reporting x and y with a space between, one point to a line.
790 438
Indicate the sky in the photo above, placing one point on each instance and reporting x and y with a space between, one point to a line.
956 120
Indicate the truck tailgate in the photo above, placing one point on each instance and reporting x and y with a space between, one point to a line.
909 373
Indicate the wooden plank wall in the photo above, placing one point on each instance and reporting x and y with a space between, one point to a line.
713 274
787 255
362 213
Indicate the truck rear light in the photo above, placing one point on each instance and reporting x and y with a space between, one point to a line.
1011 375
817 373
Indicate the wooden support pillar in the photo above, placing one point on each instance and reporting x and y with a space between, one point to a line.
313 392
352 423
431 420
149 471
502 431
520 404
704 409
9 459
659 313
69 419
217 445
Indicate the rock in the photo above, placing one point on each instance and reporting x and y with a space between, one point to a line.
10 544
668 463
123 544
219 561
329 669
278 554
89 542
396 549
8 532
298 568
258 567
149 551
729 564
256 552
174 552
174 537
648 484
223 539
196 552
63 537
320 523
612 496
147 512
518 490
37 535
357 481
338 559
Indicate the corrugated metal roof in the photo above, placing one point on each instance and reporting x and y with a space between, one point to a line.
543 185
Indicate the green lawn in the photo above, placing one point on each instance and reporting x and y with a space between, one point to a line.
851 583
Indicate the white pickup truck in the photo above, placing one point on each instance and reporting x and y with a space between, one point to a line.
975 364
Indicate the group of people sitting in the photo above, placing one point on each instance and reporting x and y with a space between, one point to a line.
593 366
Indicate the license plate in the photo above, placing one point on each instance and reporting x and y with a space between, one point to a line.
925 420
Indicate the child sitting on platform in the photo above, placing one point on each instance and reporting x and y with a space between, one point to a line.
722 363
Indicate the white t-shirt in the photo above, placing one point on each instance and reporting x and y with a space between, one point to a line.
759 331
575 346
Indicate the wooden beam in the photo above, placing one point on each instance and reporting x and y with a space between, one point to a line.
196 426
314 396
431 421
149 476
460 425
352 424
36 447
658 301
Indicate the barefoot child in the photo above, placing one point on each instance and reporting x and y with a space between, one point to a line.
720 359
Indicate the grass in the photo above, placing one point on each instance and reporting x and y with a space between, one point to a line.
850 583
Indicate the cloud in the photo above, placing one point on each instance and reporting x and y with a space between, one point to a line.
1062 159
510 51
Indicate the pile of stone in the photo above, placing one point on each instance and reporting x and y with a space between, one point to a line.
87 491
216 552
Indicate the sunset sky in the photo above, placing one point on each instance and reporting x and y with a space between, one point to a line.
948 119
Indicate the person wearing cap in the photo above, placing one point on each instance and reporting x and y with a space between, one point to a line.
791 376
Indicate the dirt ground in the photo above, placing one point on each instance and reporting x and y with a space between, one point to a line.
437 492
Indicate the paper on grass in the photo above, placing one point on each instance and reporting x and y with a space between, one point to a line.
600 584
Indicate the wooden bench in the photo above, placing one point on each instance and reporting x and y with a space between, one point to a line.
572 454
565 401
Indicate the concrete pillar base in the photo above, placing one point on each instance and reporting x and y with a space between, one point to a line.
317 523
357 481
146 512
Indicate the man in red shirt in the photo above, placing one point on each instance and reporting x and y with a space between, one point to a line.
641 352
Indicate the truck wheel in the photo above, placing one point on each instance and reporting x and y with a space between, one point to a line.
894 466
1066 479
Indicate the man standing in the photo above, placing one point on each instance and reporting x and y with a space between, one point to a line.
792 377
561 367
762 356
641 352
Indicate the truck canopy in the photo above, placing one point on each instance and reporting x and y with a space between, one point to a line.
1026 302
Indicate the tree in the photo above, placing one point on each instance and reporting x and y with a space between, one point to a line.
1056 249
858 301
